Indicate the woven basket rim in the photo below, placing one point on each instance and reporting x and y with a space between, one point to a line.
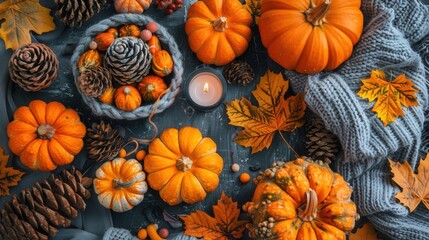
103 109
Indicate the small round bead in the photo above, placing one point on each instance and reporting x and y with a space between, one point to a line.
92 45
244 178
145 35
163 232
140 155
152 27
142 234
235 167
122 153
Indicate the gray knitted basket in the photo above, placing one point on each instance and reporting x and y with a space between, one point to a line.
166 39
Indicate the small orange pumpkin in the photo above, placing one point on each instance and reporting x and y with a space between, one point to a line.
151 87
127 98
129 30
131 6
90 58
104 39
154 44
108 96
183 166
162 63
120 184
45 135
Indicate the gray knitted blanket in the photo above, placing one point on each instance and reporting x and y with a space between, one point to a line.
392 31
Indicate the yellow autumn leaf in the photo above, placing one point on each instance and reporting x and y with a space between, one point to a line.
8 176
21 17
390 95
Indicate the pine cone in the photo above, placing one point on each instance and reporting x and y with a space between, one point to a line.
33 67
94 81
238 72
103 142
322 144
51 204
74 12
128 59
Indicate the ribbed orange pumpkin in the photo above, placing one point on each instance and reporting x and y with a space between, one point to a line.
129 30
90 58
162 63
154 44
131 6
218 30
127 98
108 96
104 39
151 87
45 135
310 35
120 184
183 166
301 200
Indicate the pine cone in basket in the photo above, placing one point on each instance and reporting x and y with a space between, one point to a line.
128 59
238 72
94 81
103 142
73 13
50 204
33 67
322 144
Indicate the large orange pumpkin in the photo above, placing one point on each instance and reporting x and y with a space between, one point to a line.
301 200
183 166
45 135
310 35
218 30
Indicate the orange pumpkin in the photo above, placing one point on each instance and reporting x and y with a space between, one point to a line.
151 87
127 98
162 63
131 6
301 200
104 39
45 135
120 184
218 30
90 58
154 44
108 96
129 30
310 35
183 166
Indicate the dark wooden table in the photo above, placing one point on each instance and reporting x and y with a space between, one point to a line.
212 124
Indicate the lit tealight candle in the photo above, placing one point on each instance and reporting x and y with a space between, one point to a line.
205 89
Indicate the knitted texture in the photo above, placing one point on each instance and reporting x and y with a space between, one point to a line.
118 234
391 27
166 39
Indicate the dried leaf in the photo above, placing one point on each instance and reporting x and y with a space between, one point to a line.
21 17
254 8
366 232
390 95
275 113
415 187
174 222
8 176
223 226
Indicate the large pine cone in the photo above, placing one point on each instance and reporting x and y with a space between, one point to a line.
33 67
103 142
238 72
128 59
94 81
322 144
74 12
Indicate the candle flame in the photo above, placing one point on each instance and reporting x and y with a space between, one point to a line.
206 87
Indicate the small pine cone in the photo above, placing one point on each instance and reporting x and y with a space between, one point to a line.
94 81
322 144
74 12
33 67
128 59
238 72
103 142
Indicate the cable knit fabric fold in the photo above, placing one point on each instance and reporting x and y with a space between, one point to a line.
391 41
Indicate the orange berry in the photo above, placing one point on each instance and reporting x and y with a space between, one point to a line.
140 155
142 234
122 153
244 178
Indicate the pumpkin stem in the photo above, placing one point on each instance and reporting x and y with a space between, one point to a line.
308 211
127 91
118 184
220 24
184 164
316 14
45 131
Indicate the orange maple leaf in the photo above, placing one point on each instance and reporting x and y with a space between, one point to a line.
390 95
223 226
274 114
366 232
415 187
8 176
21 17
